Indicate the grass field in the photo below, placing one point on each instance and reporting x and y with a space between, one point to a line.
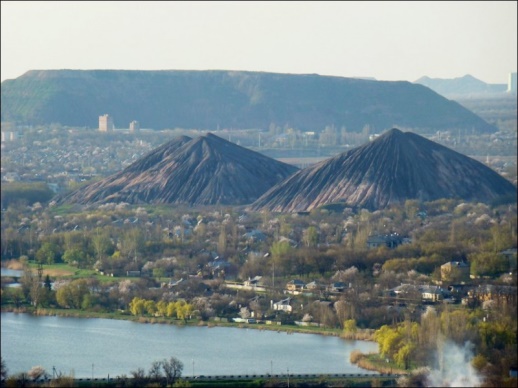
69 272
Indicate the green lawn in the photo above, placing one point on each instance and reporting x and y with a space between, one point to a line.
69 272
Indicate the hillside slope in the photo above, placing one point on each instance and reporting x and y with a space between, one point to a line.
391 169
207 170
209 100
465 86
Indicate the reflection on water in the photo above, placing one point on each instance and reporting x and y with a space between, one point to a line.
111 347
10 272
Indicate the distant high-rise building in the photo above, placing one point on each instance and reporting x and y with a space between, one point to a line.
134 126
511 85
10 136
105 123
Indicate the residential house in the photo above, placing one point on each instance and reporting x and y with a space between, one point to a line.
255 236
254 282
337 287
173 283
244 320
431 293
283 305
295 285
424 293
219 267
389 240
404 292
290 241
313 286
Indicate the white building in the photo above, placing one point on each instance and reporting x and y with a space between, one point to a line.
105 123
10 136
134 126
282 305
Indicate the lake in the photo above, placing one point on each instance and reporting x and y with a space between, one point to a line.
102 347
10 272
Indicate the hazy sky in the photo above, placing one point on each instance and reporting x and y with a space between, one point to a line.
384 40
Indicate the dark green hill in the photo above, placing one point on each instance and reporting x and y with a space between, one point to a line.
228 99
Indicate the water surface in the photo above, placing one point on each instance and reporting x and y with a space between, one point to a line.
102 347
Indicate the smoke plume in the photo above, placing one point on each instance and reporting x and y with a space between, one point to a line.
454 367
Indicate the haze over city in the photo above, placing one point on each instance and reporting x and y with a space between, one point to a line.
183 184
382 40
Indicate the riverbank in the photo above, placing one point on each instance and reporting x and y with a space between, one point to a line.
118 348
374 362
360 335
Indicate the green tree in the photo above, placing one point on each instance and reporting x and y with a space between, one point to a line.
79 290
88 301
101 243
63 297
350 327
158 272
75 239
488 264
48 253
161 308
311 237
150 307
137 306
74 256
27 281
182 309
403 355
132 243
13 294
281 251
72 295
171 309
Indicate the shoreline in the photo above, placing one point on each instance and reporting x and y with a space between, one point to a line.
360 335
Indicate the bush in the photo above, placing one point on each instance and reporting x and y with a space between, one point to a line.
355 356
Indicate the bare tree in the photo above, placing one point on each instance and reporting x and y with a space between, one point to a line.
139 377
244 312
172 369
4 369
155 372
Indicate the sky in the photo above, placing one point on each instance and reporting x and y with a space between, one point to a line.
384 40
